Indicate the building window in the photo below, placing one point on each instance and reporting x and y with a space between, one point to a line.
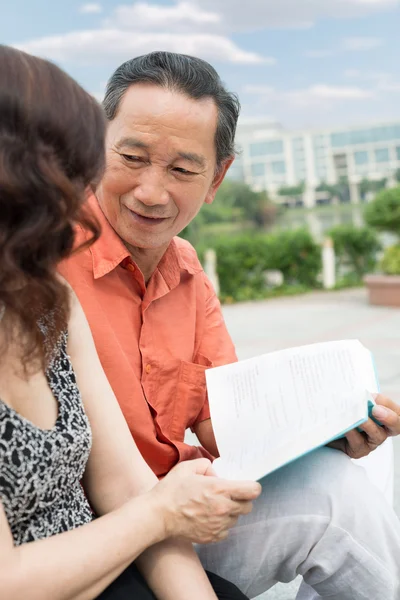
258 169
266 148
365 136
395 132
360 137
340 139
386 134
361 158
278 167
298 143
382 155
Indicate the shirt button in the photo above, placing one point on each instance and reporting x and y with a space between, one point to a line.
130 267
148 368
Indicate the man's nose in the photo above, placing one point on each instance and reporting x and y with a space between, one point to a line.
151 187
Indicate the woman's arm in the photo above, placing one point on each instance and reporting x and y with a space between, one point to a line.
75 565
80 564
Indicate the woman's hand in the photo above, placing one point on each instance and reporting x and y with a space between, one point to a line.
199 506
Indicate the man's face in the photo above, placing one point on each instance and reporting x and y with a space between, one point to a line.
160 164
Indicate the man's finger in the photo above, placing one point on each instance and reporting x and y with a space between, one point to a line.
382 400
388 418
357 445
376 435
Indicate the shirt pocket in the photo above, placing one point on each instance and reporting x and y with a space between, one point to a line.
190 396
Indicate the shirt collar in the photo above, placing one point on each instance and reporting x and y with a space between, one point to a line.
109 251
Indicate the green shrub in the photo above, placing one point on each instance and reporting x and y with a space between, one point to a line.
297 255
383 213
355 248
243 259
391 260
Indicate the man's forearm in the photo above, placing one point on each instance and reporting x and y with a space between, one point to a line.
174 572
206 437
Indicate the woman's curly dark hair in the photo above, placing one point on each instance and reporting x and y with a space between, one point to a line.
51 151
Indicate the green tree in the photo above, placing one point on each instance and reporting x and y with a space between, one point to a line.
368 185
293 191
254 207
355 247
235 202
383 213
337 190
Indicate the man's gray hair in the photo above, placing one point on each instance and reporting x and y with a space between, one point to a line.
186 74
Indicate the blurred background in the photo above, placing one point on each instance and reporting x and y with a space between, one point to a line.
319 135
312 201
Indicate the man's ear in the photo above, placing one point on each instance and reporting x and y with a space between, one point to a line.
218 179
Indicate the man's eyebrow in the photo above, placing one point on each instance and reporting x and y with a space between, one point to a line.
193 158
132 143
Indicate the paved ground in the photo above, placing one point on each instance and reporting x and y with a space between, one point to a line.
265 326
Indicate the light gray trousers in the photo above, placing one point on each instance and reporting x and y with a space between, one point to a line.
319 517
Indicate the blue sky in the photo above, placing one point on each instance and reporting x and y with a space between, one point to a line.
304 63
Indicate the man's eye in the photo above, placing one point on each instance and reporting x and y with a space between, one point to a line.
130 158
183 171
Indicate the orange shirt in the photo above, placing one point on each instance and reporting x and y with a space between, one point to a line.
154 341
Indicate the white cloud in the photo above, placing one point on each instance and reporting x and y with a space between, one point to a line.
311 95
353 44
103 46
318 104
331 92
356 44
181 16
259 14
380 81
90 8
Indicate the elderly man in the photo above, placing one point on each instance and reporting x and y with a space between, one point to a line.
157 325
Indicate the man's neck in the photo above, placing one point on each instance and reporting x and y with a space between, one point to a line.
147 259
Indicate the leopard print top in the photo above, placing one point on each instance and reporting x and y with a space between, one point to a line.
40 470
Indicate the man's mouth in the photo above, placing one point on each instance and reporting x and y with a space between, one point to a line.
147 220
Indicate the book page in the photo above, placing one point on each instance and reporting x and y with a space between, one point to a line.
260 405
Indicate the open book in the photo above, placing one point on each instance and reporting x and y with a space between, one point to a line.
269 410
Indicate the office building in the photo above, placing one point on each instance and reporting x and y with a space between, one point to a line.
273 158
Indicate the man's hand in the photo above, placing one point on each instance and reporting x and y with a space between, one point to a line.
387 413
358 444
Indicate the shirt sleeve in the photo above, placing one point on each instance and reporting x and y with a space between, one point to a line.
216 346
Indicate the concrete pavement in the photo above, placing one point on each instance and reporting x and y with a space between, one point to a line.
261 327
